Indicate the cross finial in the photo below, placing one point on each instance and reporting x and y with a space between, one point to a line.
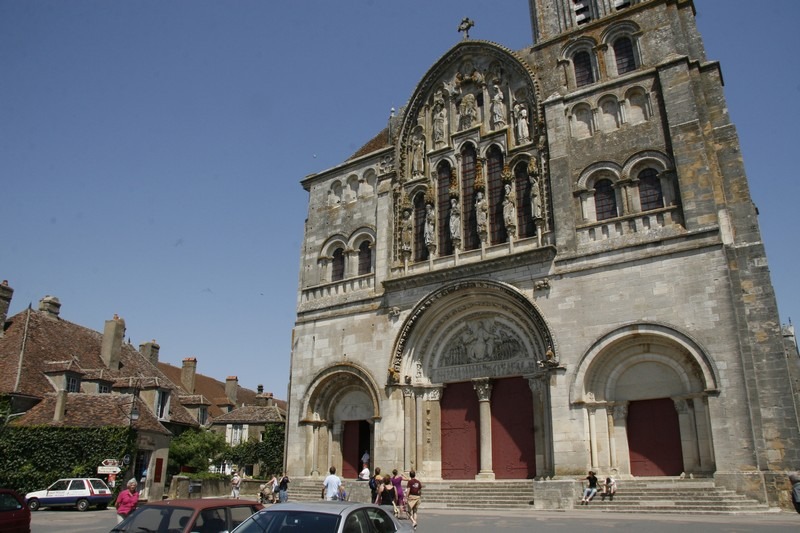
466 24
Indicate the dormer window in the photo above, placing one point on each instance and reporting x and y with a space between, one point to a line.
162 404
73 384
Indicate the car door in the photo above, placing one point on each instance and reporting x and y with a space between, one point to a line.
56 493
77 490
14 517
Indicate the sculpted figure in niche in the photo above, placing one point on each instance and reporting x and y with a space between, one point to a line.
481 211
439 119
430 225
480 343
521 116
406 230
533 176
498 109
509 208
468 112
418 156
455 220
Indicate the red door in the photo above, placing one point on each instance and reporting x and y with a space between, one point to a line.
654 438
513 452
350 453
459 431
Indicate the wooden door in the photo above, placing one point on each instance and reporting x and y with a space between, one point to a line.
513 451
459 431
654 438
350 453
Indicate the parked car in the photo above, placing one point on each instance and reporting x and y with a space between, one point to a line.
79 492
15 517
207 515
323 517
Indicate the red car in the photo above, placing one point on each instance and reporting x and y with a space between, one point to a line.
208 515
15 517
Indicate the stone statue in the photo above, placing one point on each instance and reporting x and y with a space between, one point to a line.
481 212
521 116
533 176
418 156
439 119
455 220
430 225
509 209
468 112
406 230
498 109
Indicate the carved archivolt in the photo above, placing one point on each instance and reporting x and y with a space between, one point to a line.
471 328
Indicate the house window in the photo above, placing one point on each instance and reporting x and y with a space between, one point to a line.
162 404
494 170
103 388
337 271
650 195
605 200
202 415
73 384
582 62
443 173
364 258
469 223
237 434
623 52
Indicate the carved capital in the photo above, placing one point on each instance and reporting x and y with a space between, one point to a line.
483 386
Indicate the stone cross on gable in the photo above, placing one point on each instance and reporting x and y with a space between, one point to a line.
466 24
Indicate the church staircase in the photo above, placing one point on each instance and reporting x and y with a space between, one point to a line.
640 495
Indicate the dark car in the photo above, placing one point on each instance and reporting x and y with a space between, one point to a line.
15 517
209 515
323 517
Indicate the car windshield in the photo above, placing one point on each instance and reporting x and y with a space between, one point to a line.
290 521
151 519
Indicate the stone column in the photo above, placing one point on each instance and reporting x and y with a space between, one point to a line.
323 447
688 437
590 411
433 434
612 442
336 446
313 434
484 389
542 429
621 437
419 432
409 428
706 450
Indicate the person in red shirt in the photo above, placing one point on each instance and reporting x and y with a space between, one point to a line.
127 500
414 490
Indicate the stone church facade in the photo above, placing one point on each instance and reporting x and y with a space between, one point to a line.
549 262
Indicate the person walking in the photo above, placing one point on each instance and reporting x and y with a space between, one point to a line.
374 481
236 485
283 489
387 494
127 500
397 481
414 488
332 486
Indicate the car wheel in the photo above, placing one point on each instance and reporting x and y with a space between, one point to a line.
33 504
82 505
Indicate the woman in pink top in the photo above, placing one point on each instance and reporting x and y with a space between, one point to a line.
397 481
127 500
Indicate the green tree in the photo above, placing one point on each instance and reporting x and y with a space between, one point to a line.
267 453
196 449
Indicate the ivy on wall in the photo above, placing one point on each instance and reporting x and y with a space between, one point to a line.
33 457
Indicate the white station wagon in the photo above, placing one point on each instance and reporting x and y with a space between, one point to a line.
80 493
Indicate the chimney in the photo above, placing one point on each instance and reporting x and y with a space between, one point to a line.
231 388
113 335
187 374
263 399
61 406
50 306
6 293
150 351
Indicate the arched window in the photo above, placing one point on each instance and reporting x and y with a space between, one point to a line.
525 226
364 258
605 200
494 171
470 225
337 265
443 173
582 62
623 52
420 249
650 195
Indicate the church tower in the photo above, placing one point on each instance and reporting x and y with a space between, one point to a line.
550 255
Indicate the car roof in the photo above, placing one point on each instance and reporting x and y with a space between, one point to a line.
327 507
202 503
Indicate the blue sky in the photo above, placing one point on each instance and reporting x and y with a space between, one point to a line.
151 151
